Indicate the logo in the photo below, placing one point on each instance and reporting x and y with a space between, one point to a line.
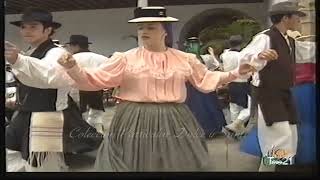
278 157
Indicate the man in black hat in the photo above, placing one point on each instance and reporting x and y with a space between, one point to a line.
48 121
91 102
277 118
78 43
238 89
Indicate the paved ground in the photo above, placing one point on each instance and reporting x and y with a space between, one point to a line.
224 154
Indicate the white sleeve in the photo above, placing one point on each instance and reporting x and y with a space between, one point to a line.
222 57
215 62
90 60
305 52
9 77
210 61
45 73
100 59
250 53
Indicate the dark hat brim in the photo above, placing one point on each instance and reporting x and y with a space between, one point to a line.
78 43
299 13
55 25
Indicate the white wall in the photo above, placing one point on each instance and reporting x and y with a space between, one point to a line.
106 28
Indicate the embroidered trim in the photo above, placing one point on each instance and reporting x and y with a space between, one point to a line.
156 73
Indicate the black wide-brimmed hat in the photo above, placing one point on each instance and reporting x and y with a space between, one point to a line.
151 14
37 14
285 8
78 39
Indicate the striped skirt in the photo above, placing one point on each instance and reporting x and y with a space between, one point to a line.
153 137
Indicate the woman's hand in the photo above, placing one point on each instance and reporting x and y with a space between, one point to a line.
268 55
67 61
246 69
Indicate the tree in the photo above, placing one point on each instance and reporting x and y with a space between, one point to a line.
217 37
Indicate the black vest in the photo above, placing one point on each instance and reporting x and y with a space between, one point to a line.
279 74
34 99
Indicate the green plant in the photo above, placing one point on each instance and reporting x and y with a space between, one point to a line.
312 4
217 36
217 44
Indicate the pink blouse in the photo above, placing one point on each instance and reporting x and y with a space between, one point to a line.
146 76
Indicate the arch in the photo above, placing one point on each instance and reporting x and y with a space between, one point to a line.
211 17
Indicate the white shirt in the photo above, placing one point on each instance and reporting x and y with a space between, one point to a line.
29 51
230 61
261 42
210 61
250 53
48 74
305 52
9 77
88 60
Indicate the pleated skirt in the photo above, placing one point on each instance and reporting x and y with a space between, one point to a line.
153 137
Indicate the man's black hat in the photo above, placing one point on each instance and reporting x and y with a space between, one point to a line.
37 14
78 39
